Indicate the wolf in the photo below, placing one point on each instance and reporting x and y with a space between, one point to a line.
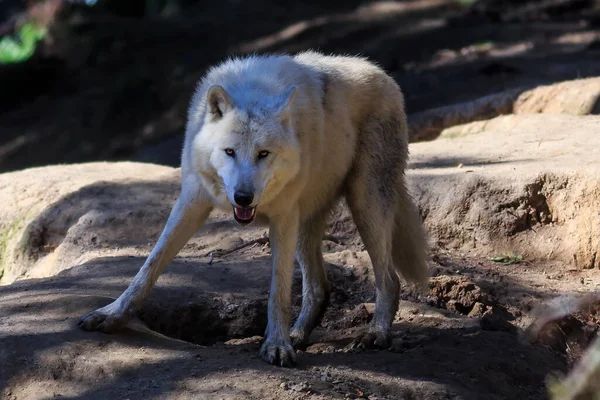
280 140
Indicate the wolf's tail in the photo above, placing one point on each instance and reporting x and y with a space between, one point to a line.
410 249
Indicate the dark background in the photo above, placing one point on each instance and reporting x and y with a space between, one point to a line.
112 80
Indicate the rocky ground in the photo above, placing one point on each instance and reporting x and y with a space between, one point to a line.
505 176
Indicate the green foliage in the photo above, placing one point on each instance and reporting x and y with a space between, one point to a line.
19 49
508 259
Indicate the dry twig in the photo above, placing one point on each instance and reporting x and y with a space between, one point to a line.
262 240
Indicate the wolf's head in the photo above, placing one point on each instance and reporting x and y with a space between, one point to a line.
246 151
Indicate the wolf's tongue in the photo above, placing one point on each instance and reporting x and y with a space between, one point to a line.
243 213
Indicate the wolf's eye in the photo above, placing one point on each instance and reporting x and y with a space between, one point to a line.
230 152
262 154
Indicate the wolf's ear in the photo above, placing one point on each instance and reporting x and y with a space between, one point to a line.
284 99
218 102
282 104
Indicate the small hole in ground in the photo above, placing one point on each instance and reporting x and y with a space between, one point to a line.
205 321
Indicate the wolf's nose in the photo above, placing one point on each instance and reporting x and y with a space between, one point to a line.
243 199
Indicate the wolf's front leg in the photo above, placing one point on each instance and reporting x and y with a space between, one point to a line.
189 213
277 348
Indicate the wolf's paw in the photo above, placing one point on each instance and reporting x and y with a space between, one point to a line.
107 319
278 352
299 339
374 340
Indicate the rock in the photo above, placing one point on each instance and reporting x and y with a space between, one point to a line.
428 124
478 310
528 184
61 216
576 97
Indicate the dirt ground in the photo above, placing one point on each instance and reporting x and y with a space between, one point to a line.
461 341
117 87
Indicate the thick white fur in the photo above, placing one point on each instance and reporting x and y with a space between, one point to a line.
333 127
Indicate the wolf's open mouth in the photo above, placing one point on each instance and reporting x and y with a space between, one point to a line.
244 215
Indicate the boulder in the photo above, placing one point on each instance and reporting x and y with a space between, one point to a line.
576 97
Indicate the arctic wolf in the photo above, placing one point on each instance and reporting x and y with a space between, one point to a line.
281 139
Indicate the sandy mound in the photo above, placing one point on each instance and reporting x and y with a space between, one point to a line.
519 183
58 217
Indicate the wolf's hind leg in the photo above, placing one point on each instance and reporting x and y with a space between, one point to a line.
315 286
375 225
189 213
386 217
